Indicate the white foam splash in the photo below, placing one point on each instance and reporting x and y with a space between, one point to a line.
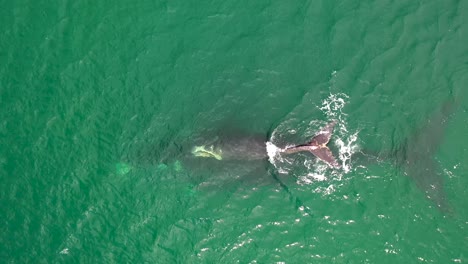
272 150
274 156
333 105
318 171
346 148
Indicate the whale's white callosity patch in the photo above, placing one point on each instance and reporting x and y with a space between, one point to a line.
343 144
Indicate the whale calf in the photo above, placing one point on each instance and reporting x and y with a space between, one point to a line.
254 148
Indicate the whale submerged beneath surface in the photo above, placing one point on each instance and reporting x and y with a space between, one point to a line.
414 156
253 148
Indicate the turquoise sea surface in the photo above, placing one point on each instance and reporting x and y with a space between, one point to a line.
102 103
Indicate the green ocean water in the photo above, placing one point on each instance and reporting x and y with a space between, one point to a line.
101 103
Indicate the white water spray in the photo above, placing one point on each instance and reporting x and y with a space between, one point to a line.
318 171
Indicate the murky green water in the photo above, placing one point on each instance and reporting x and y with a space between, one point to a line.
101 104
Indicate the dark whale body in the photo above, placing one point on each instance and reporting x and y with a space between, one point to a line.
254 148
415 156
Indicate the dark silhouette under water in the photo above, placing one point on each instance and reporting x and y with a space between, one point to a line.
253 148
415 156
238 153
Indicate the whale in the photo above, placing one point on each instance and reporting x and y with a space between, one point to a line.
254 148
415 155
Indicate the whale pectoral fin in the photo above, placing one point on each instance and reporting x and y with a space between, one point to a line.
325 154
324 135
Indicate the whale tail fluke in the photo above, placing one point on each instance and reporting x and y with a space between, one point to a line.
318 146
325 154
